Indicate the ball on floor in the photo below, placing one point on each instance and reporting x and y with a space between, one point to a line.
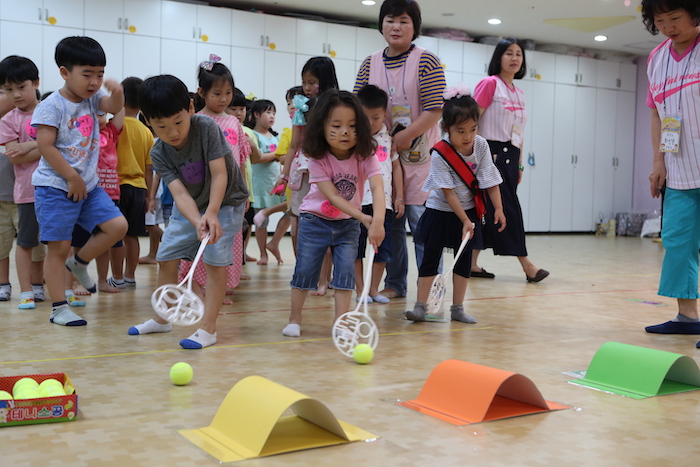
363 354
181 374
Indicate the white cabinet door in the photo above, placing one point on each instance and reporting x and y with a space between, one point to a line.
566 71
280 34
628 77
587 71
51 35
541 66
179 58
563 157
204 49
524 185
428 43
346 72
113 45
64 13
311 37
142 17
476 58
141 56
368 41
608 75
624 151
26 11
247 69
605 153
247 29
13 41
279 76
340 41
214 25
178 21
104 15
451 54
454 78
584 149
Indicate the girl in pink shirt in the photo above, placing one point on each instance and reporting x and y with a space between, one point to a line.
338 142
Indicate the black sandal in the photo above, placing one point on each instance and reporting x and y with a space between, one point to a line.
483 273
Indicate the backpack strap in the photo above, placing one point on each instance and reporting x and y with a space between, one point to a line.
462 169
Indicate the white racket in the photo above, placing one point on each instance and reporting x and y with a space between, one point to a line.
439 286
357 327
178 304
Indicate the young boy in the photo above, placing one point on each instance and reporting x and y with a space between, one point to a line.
8 211
195 161
135 179
66 191
374 104
19 78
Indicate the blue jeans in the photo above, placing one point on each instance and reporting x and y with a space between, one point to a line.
397 270
314 238
681 238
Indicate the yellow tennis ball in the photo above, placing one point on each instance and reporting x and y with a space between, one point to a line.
363 354
22 384
5 396
50 382
181 373
51 390
28 393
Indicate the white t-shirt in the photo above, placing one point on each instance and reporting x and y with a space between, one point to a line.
385 165
442 176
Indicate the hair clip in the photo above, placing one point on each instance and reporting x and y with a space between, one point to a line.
209 64
300 103
458 91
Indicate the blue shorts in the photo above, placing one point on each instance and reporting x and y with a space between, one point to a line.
57 214
315 236
180 238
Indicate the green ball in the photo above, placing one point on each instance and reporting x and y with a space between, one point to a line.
181 373
50 382
363 354
5 396
28 393
51 391
22 384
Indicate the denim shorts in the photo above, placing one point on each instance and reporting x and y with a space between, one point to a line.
315 236
57 214
180 238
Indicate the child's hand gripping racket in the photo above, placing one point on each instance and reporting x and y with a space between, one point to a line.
437 290
356 327
178 304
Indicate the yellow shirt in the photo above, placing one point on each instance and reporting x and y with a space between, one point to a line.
134 153
285 140
248 168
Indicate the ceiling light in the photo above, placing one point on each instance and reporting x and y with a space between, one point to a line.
368 2
601 38
494 21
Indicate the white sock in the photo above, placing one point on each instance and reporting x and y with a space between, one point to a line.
292 330
149 327
199 340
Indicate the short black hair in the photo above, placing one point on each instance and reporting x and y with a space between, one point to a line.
459 110
258 107
163 96
324 70
79 50
16 70
650 8
501 47
208 78
373 97
315 144
239 100
294 91
131 86
399 7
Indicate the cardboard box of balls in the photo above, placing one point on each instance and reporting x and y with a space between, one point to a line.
42 404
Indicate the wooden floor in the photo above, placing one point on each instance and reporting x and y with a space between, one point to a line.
599 291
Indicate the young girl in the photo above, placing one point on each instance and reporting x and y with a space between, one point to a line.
317 75
265 172
216 91
340 148
451 207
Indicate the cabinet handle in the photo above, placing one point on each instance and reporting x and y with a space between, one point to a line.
262 40
486 67
39 14
126 24
119 23
200 33
619 83
324 48
329 49
577 158
267 41
46 14
572 159
194 32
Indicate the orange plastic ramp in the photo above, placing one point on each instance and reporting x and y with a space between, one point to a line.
462 393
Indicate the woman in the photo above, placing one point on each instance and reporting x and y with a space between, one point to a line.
415 81
674 98
502 123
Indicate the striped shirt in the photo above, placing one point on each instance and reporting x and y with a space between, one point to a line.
674 90
442 176
431 76
504 108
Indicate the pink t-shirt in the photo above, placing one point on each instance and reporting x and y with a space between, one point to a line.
233 131
504 108
16 125
107 162
348 176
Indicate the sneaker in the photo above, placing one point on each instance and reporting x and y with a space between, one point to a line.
129 282
39 294
26 301
74 301
117 283
5 292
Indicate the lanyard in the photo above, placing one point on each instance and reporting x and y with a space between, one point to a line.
517 97
403 78
685 72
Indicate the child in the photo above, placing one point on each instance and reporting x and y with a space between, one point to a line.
194 159
66 191
374 104
136 182
340 148
8 211
265 173
451 208
215 91
20 80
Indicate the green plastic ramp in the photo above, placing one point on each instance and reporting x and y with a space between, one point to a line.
638 372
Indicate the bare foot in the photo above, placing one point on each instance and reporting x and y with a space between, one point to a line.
389 293
250 259
321 291
262 261
275 250
230 292
245 277
228 301
105 287
80 290
147 260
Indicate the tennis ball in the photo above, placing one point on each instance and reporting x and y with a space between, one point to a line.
181 373
28 393
50 382
24 383
363 354
5 396
51 390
